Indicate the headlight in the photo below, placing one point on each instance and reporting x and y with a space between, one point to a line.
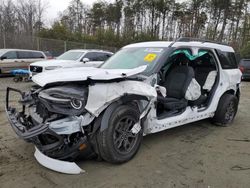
66 100
76 104
52 67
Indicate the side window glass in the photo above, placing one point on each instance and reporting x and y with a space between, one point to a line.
37 55
92 56
24 55
105 56
205 59
10 55
227 60
100 56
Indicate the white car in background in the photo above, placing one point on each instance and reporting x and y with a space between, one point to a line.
72 58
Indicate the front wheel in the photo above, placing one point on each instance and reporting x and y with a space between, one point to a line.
117 143
226 110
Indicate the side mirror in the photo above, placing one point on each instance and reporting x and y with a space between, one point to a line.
3 57
85 60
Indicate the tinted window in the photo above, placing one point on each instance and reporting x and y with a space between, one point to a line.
228 60
25 55
245 62
105 56
97 56
48 54
10 55
92 56
37 55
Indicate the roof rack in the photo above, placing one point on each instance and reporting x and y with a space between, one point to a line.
190 39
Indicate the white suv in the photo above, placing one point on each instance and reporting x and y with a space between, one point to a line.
72 58
143 89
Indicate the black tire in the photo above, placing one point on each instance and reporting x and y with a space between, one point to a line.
16 79
117 144
226 110
26 79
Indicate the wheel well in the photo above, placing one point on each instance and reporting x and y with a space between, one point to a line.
238 93
232 92
133 100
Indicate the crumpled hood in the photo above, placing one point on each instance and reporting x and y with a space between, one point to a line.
53 62
83 73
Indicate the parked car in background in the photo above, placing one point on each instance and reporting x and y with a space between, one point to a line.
245 68
48 55
72 58
11 59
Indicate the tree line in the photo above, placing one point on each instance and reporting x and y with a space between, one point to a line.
122 22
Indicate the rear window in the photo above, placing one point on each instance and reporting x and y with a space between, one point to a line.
228 60
245 62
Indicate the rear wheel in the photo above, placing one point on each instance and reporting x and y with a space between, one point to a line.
226 110
117 143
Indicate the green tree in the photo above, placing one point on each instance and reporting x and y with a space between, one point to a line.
245 51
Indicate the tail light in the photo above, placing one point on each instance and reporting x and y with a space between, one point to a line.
241 69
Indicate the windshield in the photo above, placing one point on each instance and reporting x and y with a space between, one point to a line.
70 55
129 58
2 52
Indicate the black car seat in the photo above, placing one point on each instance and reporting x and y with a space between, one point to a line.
176 84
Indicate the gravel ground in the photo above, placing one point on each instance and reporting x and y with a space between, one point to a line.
194 155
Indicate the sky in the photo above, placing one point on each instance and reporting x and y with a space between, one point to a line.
56 6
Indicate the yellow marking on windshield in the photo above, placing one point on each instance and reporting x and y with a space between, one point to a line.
150 57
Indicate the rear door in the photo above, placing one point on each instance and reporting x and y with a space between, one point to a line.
37 56
9 62
25 58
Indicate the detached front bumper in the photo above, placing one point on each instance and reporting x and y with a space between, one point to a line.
45 139
57 165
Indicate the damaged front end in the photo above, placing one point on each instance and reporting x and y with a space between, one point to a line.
54 119
63 119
